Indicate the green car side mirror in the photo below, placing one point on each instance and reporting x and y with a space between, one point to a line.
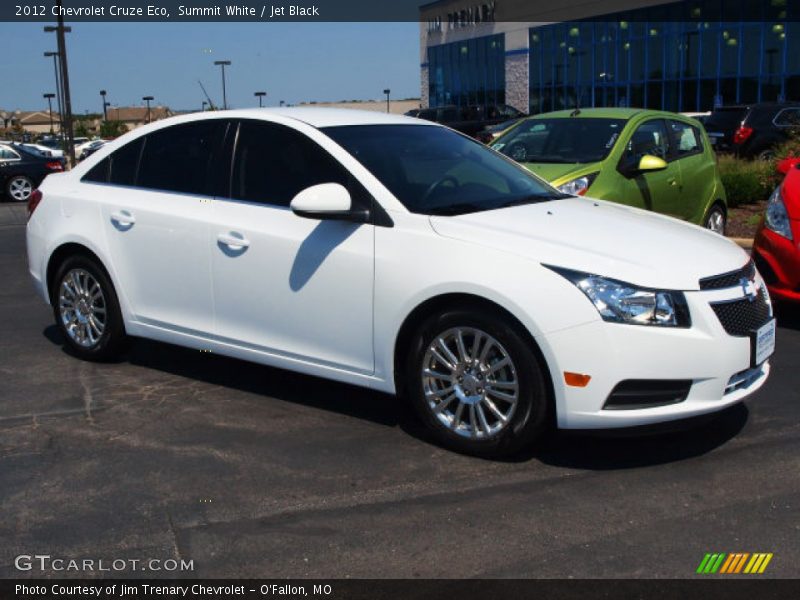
651 163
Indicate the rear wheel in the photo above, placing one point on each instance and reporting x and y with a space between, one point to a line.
86 309
19 188
716 219
477 384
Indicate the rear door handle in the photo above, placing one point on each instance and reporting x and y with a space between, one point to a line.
123 217
234 240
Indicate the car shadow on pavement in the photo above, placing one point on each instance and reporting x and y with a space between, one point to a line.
591 451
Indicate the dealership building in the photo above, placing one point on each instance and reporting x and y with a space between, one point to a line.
686 56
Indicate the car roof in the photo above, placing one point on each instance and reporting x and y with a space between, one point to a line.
604 113
327 117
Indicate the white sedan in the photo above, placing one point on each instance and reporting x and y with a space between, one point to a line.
396 254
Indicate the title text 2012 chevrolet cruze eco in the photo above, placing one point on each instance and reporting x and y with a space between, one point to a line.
396 254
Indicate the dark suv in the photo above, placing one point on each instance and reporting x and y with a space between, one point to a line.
470 119
752 131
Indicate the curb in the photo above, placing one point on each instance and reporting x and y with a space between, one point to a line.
746 243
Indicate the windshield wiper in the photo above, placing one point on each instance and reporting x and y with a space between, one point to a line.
456 209
533 199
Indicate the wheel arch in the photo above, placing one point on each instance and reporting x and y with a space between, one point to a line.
64 251
450 301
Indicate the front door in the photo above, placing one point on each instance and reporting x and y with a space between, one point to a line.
294 287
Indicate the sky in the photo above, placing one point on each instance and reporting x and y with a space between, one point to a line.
294 62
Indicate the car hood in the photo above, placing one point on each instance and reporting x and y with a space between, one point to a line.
602 238
558 173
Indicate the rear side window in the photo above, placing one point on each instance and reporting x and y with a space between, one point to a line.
179 158
124 162
273 163
788 117
99 172
686 138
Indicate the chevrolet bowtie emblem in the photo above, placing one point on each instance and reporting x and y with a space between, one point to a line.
749 288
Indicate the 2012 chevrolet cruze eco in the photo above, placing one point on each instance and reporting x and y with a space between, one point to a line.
397 254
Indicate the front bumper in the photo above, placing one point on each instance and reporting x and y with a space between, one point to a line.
718 365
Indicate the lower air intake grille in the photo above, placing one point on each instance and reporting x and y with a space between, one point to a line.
647 393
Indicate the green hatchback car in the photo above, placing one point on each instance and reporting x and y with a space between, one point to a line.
649 159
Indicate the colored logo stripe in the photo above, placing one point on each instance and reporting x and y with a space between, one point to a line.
734 563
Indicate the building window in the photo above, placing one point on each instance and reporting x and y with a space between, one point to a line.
467 72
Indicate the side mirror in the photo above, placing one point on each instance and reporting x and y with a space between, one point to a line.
327 201
651 163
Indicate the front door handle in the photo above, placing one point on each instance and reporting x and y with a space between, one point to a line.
233 240
672 181
123 217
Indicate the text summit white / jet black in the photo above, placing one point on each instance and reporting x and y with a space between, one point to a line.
397 254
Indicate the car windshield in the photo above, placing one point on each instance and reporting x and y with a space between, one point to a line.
570 140
433 170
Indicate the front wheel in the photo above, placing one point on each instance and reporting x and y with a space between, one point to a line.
716 219
477 384
86 309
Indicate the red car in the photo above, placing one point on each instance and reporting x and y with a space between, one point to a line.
777 245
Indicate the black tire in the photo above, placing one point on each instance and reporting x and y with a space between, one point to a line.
113 339
530 416
717 211
13 193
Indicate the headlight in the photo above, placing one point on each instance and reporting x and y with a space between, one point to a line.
620 302
579 186
776 218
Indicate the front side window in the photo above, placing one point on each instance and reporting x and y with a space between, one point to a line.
649 138
570 140
273 163
179 158
433 170
686 137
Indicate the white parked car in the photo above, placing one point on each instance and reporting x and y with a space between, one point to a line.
45 150
394 253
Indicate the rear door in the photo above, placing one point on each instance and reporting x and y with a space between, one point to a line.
156 209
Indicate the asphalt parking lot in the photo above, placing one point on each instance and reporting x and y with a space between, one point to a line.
251 471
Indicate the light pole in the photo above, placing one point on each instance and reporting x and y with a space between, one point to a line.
60 30
50 108
387 91
147 99
204 106
58 93
282 102
105 105
223 64
260 97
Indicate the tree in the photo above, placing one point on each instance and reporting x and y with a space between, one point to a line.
112 129
81 130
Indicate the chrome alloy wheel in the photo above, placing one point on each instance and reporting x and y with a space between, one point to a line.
82 307
470 382
716 222
20 189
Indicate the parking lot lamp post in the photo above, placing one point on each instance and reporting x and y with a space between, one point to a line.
66 117
50 109
105 105
260 97
387 91
204 106
282 102
58 92
147 99
223 64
